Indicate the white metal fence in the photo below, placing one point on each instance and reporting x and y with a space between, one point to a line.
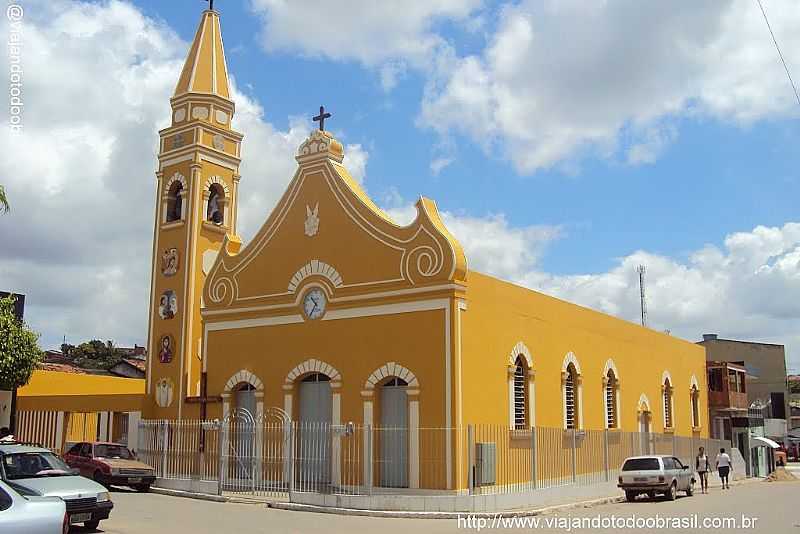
276 458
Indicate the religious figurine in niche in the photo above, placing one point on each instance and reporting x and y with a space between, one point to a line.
312 220
164 388
214 212
165 352
169 262
168 306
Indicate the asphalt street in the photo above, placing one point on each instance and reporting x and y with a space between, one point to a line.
753 507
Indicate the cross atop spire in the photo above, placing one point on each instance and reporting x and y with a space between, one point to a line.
210 4
321 118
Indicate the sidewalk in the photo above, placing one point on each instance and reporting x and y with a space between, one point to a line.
555 502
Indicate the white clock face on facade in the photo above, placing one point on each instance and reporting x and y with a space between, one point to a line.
314 303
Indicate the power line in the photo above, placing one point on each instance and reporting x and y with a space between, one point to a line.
642 297
780 54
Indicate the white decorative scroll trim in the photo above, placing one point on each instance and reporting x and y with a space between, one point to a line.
612 366
217 180
388 370
520 349
571 359
313 366
244 377
693 384
664 376
315 268
320 144
643 404
177 177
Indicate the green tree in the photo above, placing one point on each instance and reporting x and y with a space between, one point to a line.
4 205
19 348
93 354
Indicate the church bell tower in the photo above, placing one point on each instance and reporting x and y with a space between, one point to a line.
198 178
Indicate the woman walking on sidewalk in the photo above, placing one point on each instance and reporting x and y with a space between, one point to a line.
724 468
701 465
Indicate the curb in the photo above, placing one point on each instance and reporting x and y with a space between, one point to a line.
297 507
440 515
189 495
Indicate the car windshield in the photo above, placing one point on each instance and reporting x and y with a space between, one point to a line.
112 451
641 464
33 465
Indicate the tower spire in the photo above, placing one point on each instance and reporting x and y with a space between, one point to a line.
205 70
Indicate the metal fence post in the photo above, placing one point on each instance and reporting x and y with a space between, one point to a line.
164 445
369 459
292 463
605 454
533 456
574 457
218 429
471 458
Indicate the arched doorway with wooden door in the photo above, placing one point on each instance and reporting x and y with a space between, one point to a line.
393 436
312 392
394 391
242 406
314 431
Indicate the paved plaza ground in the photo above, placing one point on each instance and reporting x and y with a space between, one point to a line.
773 506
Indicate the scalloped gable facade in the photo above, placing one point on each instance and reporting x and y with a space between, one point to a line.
355 250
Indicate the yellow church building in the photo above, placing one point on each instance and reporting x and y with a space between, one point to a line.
333 313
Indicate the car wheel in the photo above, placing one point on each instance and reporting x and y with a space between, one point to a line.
92 525
142 488
690 489
630 496
672 493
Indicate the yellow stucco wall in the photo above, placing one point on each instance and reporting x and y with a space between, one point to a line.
354 347
500 314
72 392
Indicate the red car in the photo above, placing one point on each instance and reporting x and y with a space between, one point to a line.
110 464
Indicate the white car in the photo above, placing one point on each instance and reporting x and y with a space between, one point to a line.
31 515
654 475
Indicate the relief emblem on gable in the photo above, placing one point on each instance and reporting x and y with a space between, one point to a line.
312 220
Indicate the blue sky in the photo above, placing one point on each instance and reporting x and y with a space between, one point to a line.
715 179
574 141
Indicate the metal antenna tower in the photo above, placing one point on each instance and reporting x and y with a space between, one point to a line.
643 299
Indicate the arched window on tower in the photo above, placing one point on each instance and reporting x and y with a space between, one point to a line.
216 204
612 410
571 397
175 202
521 393
695 407
668 416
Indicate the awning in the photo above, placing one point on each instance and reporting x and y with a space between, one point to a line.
767 441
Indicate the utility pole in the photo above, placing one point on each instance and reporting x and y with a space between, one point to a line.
643 299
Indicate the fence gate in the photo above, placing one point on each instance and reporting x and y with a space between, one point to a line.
255 455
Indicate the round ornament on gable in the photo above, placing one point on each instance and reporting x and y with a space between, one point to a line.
314 303
166 349
164 392
219 142
169 262
200 113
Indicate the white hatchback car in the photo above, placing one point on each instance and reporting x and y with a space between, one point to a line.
31 515
653 475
